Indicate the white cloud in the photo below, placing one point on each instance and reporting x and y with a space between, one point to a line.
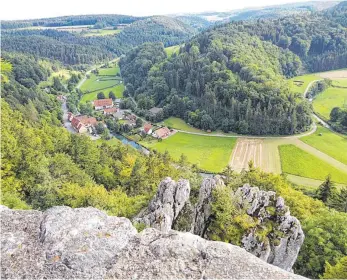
29 9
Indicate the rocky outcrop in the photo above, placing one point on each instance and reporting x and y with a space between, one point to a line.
166 205
281 248
70 243
203 207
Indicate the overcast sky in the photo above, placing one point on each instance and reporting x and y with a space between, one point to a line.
29 9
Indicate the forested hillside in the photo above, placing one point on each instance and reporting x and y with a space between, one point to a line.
232 77
74 49
223 79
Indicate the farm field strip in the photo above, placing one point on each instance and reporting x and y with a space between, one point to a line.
246 150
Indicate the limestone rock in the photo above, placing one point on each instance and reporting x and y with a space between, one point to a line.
203 207
282 248
61 242
166 205
65 243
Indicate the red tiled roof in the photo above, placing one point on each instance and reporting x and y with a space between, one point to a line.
103 102
162 132
87 120
147 127
110 110
76 123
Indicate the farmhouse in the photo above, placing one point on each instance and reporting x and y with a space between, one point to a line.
110 111
101 104
162 132
147 128
82 124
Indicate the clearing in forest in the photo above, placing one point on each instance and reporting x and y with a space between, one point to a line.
105 81
301 163
211 154
171 50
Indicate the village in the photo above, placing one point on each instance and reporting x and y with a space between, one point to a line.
107 113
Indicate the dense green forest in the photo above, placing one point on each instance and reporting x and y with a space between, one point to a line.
223 79
232 77
74 49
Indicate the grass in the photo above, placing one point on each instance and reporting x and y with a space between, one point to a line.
340 83
298 162
171 50
211 154
297 87
332 97
330 143
101 32
180 124
105 82
117 90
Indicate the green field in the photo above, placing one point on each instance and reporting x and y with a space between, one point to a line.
340 83
332 97
298 87
117 90
330 143
298 162
105 82
171 50
180 124
209 153
100 32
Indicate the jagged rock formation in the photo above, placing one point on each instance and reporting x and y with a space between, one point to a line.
166 205
70 243
203 207
283 247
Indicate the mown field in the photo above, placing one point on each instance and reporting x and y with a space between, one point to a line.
330 143
100 32
106 81
298 162
300 83
332 97
209 153
180 124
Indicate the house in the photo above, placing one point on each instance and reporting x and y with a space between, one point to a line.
101 104
82 124
130 117
110 111
69 116
162 133
147 128
78 125
155 111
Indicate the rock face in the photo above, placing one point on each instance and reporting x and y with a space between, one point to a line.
86 243
280 250
61 242
203 207
166 205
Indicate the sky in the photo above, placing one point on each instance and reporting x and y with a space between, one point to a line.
32 9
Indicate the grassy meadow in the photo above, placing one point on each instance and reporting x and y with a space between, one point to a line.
298 162
106 81
100 32
209 153
330 143
300 83
180 124
332 97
